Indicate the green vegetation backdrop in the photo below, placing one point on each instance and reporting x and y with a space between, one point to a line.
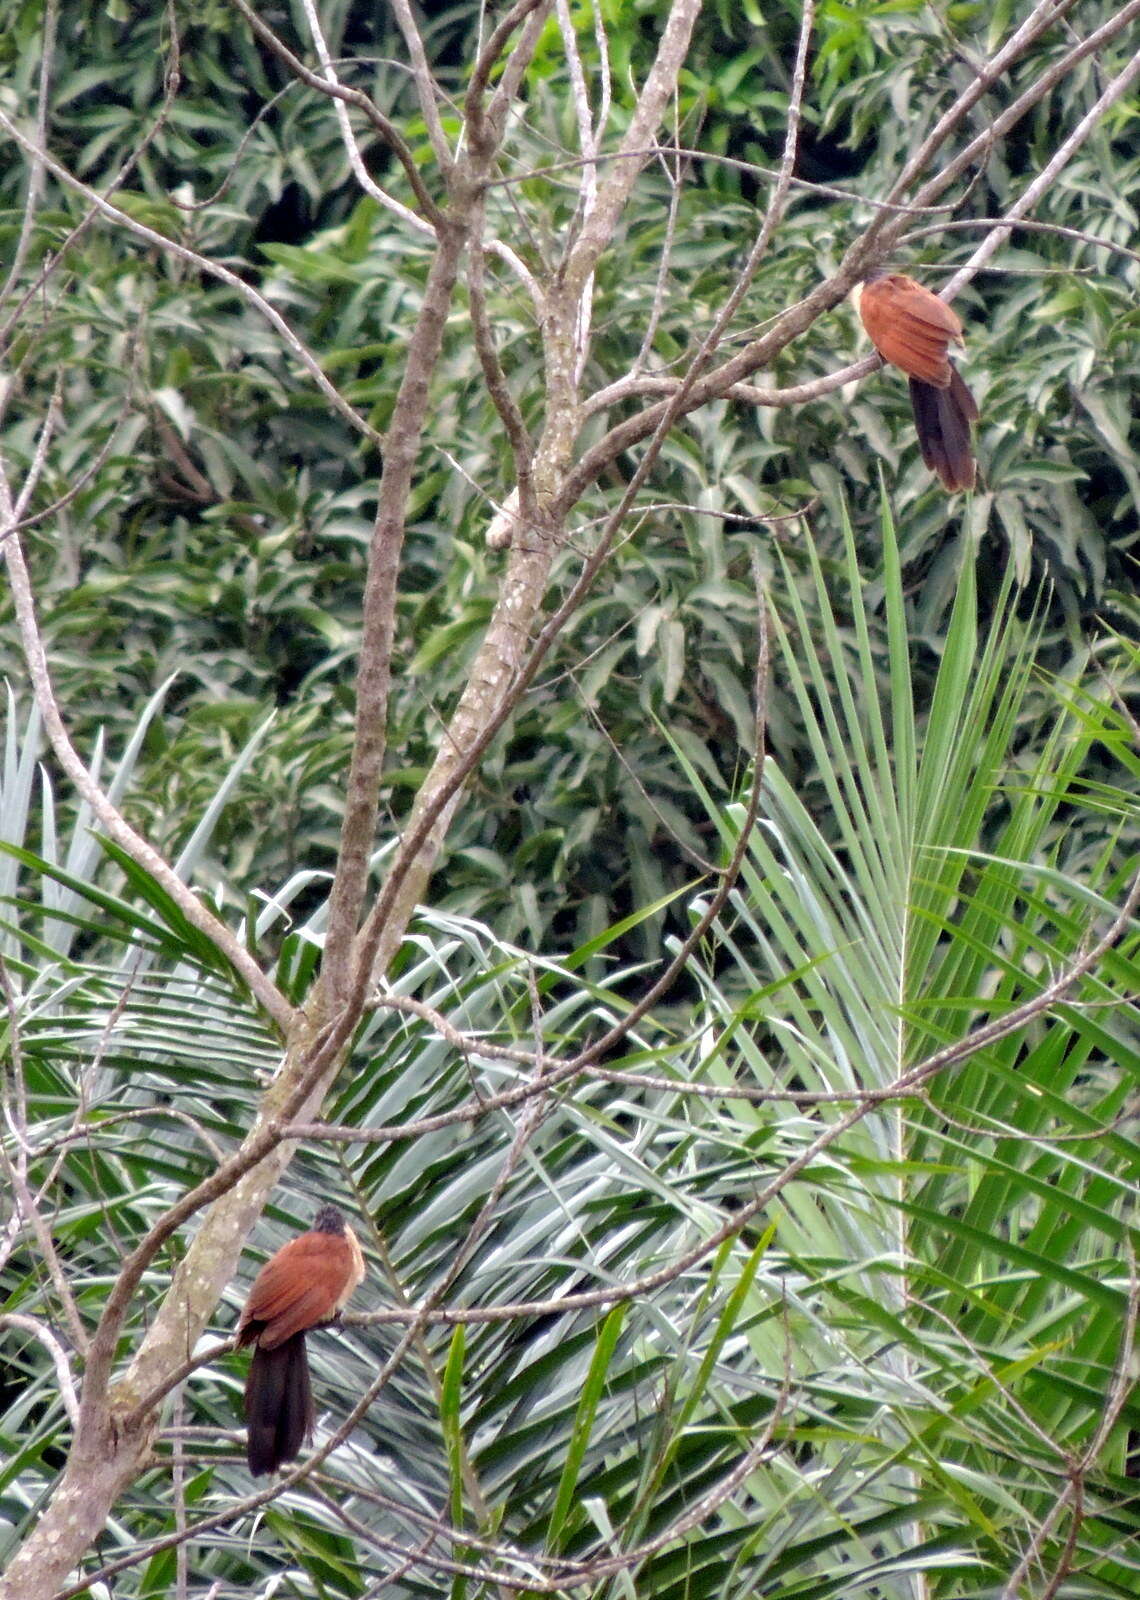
805 1268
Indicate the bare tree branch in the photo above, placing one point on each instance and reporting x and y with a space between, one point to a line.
328 84
263 990
63 1377
425 85
36 168
200 263
374 673
614 190
481 132
1047 176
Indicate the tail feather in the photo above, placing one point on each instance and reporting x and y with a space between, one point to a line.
942 419
278 1405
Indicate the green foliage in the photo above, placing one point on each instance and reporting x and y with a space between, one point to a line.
219 535
924 1329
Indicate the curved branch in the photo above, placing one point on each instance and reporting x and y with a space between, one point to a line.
328 85
264 991
200 263
632 430
63 1377
426 87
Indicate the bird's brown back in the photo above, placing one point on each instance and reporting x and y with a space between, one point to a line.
307 1282
910 327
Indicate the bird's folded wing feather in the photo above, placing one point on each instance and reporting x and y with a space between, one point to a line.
302 1285
911 328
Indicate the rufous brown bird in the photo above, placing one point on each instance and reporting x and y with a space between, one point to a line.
306 1283
914 329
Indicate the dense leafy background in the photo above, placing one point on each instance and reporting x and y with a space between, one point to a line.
208 570
221 540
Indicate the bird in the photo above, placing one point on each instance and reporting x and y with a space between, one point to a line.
308 1282
913 329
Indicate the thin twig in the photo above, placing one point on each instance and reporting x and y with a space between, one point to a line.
329 85
480 131
36 173
671 166
522 448
588 186
427 90
1034 92
38 1330
1045 179
200 263
614 190
1026 225
264 991
52 262
514 68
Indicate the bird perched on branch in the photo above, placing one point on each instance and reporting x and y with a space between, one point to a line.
913 329
305 1284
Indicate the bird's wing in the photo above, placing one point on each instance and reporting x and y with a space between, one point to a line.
305 1283
910 327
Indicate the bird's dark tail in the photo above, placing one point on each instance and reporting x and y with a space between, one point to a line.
278 1405
943 418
